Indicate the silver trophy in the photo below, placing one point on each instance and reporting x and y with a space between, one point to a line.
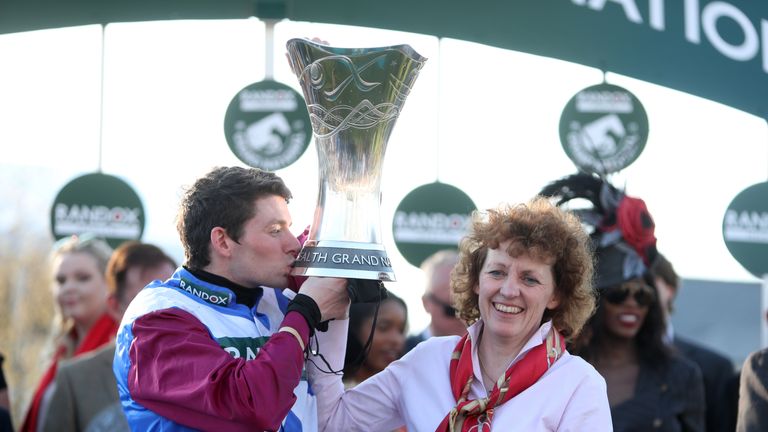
354 96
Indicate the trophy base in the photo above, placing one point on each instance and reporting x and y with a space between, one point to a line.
348 260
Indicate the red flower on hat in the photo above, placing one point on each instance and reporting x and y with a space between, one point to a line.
636 226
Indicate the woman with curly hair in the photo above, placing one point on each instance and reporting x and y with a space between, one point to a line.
524 285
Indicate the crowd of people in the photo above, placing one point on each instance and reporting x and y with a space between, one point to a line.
85 390
542 318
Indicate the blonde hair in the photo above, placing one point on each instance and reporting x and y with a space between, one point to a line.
94 246
101 252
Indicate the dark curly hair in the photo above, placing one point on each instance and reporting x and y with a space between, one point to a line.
222 198
544 232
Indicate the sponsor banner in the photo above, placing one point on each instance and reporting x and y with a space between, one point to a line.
98 204
603 129
745 229
710 48
430 218
746 226
716 49
267 125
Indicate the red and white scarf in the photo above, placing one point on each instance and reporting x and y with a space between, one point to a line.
477 415
102 332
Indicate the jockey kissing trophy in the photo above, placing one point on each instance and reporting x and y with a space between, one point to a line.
354 96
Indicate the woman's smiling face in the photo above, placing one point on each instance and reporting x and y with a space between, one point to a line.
80 288
514 293
389 339
624 319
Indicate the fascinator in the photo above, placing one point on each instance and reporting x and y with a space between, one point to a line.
621 227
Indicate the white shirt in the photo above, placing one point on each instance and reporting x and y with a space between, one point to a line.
415 391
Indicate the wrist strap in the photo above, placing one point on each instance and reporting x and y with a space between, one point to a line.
308 308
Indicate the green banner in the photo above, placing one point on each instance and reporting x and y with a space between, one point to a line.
603 129
98 204
431 217
745 229
709 48
267 125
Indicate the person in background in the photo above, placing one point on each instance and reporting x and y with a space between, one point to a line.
753 393
80 289
391 322
650 387
716 369
5 403
437 299
220 346
85 397
523 281
751 384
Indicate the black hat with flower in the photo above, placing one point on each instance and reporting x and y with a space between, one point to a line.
622 228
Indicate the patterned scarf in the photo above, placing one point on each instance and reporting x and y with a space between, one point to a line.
477 414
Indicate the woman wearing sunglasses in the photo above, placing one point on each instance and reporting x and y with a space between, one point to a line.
650 388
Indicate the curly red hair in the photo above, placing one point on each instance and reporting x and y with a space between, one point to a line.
544 232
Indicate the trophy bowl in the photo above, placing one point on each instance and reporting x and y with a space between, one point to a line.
353 96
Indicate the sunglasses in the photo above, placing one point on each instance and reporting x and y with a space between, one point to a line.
643 294
448 310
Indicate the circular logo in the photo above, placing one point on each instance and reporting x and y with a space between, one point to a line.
745 229
99 204
267 125
603 129
430 218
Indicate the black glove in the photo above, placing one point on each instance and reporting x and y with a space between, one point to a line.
307 307
366 291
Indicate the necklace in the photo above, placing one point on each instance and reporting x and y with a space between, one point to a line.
486 375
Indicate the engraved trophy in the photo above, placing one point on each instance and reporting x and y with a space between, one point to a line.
354 96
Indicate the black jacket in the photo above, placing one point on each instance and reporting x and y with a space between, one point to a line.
667 399
717 371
